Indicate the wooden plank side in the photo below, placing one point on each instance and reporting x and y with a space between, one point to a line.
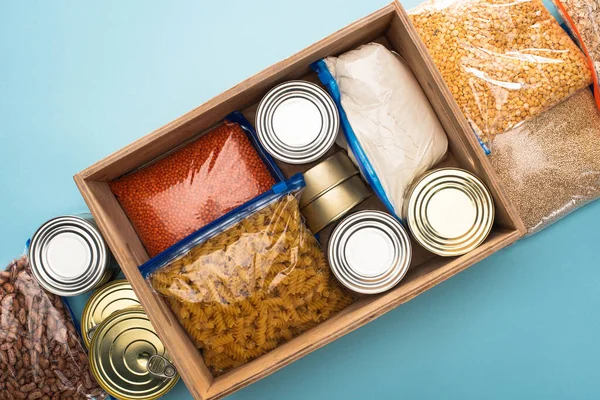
357 315
405 39
130 253
239 97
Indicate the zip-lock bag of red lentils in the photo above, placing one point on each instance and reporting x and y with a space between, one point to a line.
41 353
174 196
250 281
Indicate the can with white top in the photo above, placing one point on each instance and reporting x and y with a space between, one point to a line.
297 122
369 252
68 256
449 211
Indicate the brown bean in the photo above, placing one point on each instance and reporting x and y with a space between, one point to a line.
22 316
12 357
28 387
8 287
87 381
4 357
36 394
44 363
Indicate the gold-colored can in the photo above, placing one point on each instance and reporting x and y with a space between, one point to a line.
335 203
114 296
128 359
325 175
449 211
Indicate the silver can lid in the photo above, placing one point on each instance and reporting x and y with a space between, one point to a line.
369 252
297 122
449 211
68 256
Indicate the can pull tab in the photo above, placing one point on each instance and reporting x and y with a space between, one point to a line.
161 367
91 331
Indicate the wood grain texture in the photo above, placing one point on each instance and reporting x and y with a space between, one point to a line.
130 253
389 25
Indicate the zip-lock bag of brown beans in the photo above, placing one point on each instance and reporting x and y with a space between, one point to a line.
250 281
41 353
179 193
583 20
504 61
550 165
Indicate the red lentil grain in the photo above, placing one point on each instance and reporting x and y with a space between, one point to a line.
177 195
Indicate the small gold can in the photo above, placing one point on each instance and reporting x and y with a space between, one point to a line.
114 296
325 175
449 211
128 359
335 203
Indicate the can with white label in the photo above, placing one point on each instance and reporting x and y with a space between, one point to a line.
449 211
369 252
297 122
68 256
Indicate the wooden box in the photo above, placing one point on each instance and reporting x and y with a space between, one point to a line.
389 25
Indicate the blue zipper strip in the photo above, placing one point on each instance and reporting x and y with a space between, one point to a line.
238 118
278 190
363 161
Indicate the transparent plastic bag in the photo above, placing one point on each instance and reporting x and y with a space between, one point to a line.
176 195
583 20
250 281
504 61
391 131
41 353
550 165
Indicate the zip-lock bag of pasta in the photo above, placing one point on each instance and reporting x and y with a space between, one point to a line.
250 281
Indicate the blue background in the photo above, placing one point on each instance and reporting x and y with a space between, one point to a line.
78 81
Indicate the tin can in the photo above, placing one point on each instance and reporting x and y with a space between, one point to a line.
297 122
335 203
369 252
449 211
325 175
69 257
128 359
114 296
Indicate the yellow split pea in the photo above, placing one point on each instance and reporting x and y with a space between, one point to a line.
503 61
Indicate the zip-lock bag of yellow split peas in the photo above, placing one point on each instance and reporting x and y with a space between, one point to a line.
504 61
248 282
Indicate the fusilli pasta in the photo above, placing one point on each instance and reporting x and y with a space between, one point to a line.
254 286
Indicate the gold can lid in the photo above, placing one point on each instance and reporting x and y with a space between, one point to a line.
449 211
335 203
325 175
128 359
114 296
